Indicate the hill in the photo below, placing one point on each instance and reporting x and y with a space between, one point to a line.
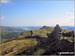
21 43
8 33
42 32
7 28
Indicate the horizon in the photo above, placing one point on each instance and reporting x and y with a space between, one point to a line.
38 26
37 13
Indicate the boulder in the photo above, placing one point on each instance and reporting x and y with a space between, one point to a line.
56 34
69 34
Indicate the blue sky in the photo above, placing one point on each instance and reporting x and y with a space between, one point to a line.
37 13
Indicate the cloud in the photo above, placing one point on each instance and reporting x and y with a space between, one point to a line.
5 1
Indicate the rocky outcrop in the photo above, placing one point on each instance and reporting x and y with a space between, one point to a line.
31 33
60 46
63 45
56 34
52 44
44 27
69 34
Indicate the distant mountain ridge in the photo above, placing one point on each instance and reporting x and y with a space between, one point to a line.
72 28
7 28
30 27
20 28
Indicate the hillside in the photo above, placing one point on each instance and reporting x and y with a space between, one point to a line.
8 33
22 43
7 28
42 32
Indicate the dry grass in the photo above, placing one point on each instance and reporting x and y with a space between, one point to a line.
18 45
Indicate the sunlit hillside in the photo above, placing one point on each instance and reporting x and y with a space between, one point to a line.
21 43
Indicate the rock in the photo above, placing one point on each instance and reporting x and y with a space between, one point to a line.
31 33
69 34
56 33
14 49
22 33
52 44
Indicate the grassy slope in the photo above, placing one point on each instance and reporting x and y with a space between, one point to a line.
8 35
5 28
22 43
25 33
19 45
39 51
43 31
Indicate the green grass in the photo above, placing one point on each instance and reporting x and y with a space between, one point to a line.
8 35
64 30
42 32
38 52
70 38
21 43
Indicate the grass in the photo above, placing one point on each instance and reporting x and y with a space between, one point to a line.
20 45
8 35
39 51
70 38
25 33
40 32
64 30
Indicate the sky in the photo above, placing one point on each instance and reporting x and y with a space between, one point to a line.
37 13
